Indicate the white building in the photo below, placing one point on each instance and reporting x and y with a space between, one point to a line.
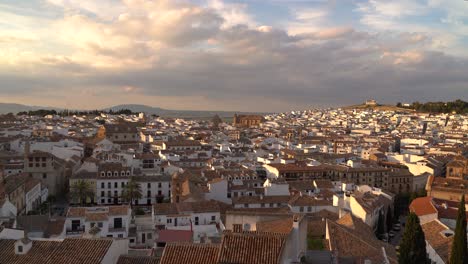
105 221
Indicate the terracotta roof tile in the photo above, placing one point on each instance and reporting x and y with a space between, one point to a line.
176 253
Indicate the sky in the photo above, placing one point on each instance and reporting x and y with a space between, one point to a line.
250 55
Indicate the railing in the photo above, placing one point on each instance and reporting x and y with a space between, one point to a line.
117 230
77 231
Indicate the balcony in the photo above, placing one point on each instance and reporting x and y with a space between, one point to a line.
117 230
75 232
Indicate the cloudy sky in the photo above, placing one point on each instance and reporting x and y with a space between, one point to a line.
251 55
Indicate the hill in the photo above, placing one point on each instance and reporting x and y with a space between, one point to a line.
6 108
378 107
188 114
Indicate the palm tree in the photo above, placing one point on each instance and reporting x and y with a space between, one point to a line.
81 190
132 191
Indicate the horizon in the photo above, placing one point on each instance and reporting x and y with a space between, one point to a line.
232 55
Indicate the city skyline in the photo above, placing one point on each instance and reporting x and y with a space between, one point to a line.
266 56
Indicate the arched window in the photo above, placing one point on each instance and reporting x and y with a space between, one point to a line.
116 173
109 173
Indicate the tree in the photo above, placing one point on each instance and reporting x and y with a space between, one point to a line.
216 121
389 220
381 224
81 190
413 244
459 253
132 191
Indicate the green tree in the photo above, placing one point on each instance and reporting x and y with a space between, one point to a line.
389 221
459 253
81 190
216 121
413 244
132 191
381 224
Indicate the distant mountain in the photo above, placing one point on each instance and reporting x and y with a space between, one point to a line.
190 114
15 108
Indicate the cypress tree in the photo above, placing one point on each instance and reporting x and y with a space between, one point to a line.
459 252
389 220
413 243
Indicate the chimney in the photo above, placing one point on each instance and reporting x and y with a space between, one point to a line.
27 148
22 246
296 243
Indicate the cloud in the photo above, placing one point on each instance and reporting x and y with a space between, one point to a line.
217 56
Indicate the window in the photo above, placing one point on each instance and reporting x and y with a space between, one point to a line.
271 205
169 220
75 225
122 184
103 174
132 240
116 184
109 185
159 185
196 220
262 205
228 195
110 236
99 224
213 218
301 209
20 249
246 205
149 236
118 222
148 185
103 194
159 192
120 235
44 175
103 185
103 201
116 173
92 224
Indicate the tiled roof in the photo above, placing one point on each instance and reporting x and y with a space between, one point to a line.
168 235
177 253
433 232
349 238
251 247
91 251
260 199
182 208
127 259
283 225
422 206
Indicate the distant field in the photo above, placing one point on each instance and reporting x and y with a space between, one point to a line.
378 107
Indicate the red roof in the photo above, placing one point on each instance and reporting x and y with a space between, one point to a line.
167 236
422 206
